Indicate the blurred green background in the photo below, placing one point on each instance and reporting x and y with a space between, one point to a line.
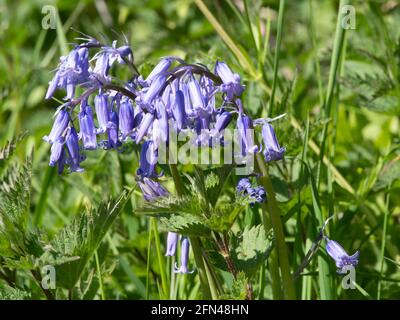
364 145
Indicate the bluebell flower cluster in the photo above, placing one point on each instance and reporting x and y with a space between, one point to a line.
175 95
256 194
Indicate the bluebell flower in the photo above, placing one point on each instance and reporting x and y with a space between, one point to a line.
243 185
102 111
187 101
151 189
148 160
144 126
57 156
162 122
112 131
87 129
256 194
160 68
172 242
146 97
178 110
196 96
342 259
222 120
59 126
231 81
245 129
259 194
72 71
272 150
183 268
126 118
106 58
74 156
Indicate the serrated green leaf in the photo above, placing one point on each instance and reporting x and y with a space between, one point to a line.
81 238
9 293
239 288
185 224
251 249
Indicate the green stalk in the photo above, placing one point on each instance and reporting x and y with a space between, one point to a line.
277 54
160 257
103 294
276 282
283 257
335 60
148 265
383 245
206 283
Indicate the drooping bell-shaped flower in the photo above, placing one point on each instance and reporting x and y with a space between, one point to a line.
151 189
72 71
172 242
126 118
112 130
74 156
272 150
196 95
87 129
102 111
178 110
184 267
162 118
187 101
231 81
144 126
57 154
222 121
145 99
245 132
59 126
148 160
106 58
159 69
342 259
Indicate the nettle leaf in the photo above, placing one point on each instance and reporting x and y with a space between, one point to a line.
15 188
251 248
173 205
239 288
223 217
77 242
9 293
8 150
186 224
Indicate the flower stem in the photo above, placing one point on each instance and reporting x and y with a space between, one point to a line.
103 294
164 282
208 285
283 258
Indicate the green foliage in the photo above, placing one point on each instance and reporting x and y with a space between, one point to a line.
80 239
57 220
239 288
203 210
251 248
9 293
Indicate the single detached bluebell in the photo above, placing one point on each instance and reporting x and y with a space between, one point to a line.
272 150
342 259
172 242
184 267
